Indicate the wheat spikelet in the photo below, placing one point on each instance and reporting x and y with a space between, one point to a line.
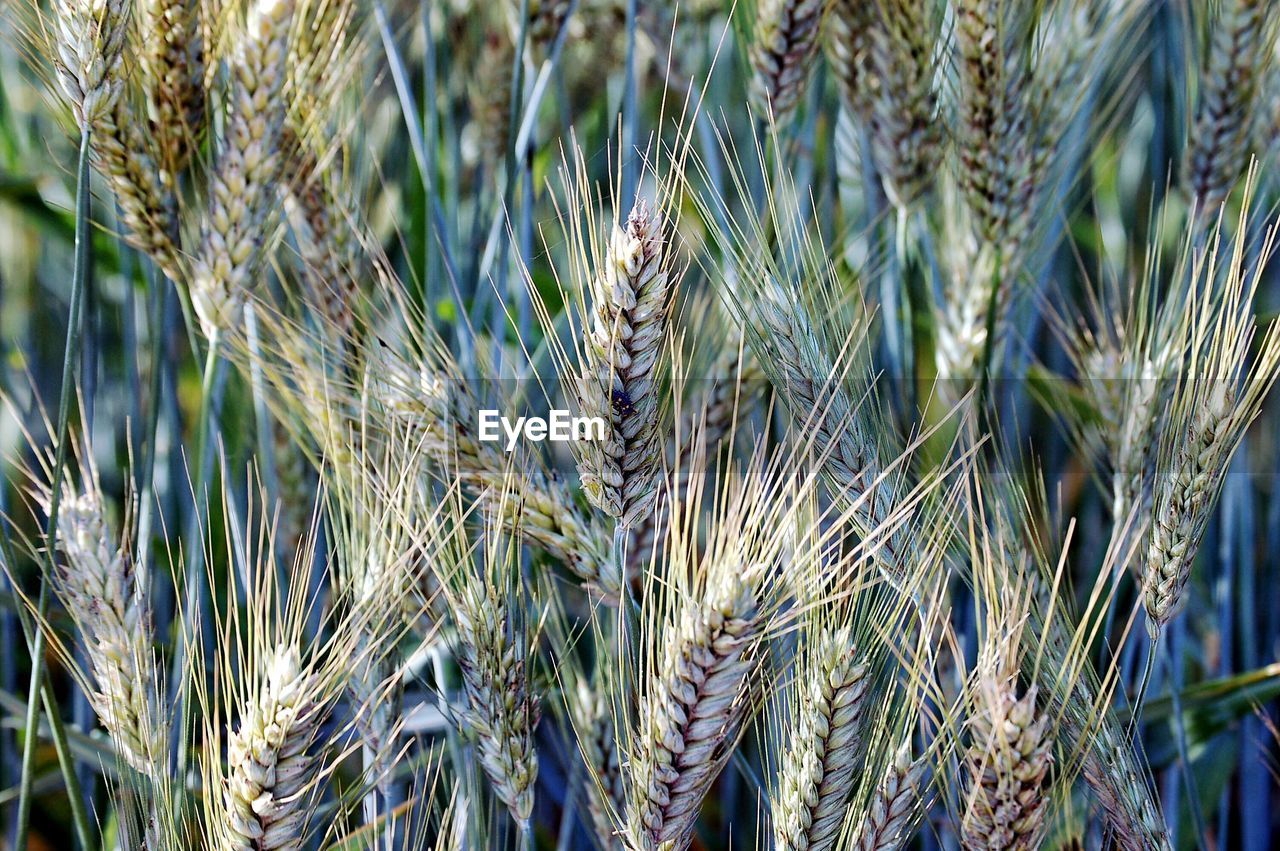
88 49
817 771
848 39
1008 759
786 42
906 136
630 302
994 147
895 805
606 793
269 759
501 712
171 65
692 708
322 220
1239 52
99 590
241 192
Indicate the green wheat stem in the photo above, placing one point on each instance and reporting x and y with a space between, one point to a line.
83 257
194 577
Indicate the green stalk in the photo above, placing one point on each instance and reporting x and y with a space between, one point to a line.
194 579
83 242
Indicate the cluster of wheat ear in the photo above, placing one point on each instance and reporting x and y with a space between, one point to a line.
906 425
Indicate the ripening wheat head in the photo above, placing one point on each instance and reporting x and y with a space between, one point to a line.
1053 648
847 36
816 775
494 648
787 34
241 198
88 47
812 339
701 642
906 130
625 335
97 584
171 63
1240 51
272 689
1219 392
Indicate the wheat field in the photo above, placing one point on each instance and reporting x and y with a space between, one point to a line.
808 425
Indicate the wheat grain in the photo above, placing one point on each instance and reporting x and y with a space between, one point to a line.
816 777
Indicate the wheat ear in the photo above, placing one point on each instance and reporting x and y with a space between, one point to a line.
711 419
786 43
243 183
1008 759
1240 50
628 326
816 777
172 68
501 710
606 793
848 40
692 709
1219 395
99 590
906 134
896 804
89 58
269 759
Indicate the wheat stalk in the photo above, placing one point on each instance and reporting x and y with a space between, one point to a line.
786 43
816 777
